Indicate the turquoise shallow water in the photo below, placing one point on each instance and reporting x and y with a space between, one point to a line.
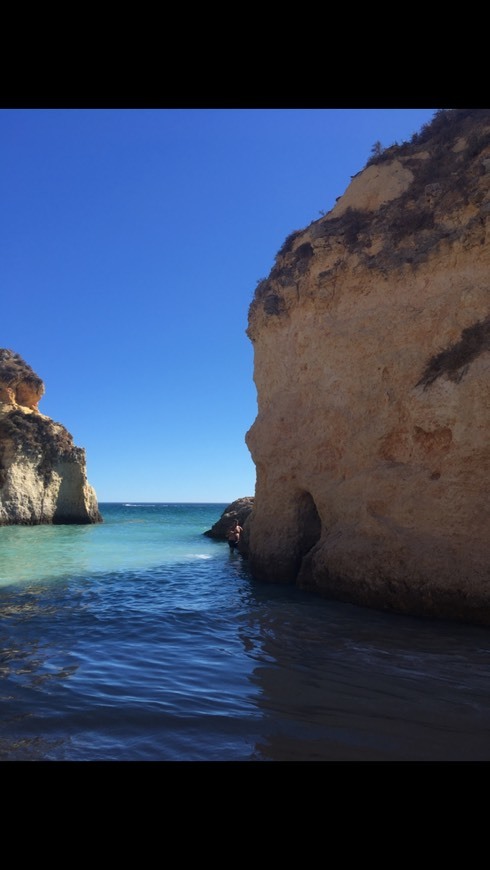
141 639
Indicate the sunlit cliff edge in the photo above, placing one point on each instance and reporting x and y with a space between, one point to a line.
42 473
371 337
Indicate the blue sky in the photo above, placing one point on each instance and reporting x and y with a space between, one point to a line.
132 241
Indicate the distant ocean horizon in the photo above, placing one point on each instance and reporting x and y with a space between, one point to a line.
142 639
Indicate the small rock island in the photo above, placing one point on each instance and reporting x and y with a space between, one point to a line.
43 475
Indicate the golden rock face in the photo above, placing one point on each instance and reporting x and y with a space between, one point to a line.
19 385
42 473
371 339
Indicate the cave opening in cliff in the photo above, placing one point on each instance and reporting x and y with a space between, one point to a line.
309 525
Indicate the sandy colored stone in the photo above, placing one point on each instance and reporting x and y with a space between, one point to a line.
42 473
374 187
371 339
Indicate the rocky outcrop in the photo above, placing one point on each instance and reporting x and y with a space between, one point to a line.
42 474
238 510
371 338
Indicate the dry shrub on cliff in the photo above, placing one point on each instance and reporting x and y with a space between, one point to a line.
444 122
407 222
436 133
14 370
444 181
287 245
351 225
446 161
38 438
454 360
37 433
438 138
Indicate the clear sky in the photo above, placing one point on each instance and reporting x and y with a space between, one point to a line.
132 241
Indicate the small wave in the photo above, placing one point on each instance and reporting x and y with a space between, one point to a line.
200 556
133 504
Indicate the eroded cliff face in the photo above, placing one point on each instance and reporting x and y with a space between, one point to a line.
42 474
371 339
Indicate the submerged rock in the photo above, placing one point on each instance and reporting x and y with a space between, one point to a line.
42 473
371 338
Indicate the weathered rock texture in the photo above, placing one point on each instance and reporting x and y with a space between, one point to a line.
42 474
237 510
371 338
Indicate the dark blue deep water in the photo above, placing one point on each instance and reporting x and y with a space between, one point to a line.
141 639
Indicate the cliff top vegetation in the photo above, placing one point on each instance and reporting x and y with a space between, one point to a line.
14 370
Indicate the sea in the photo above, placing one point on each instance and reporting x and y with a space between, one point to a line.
141 639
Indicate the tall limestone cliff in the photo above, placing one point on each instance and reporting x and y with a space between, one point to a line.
42 474
371 338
